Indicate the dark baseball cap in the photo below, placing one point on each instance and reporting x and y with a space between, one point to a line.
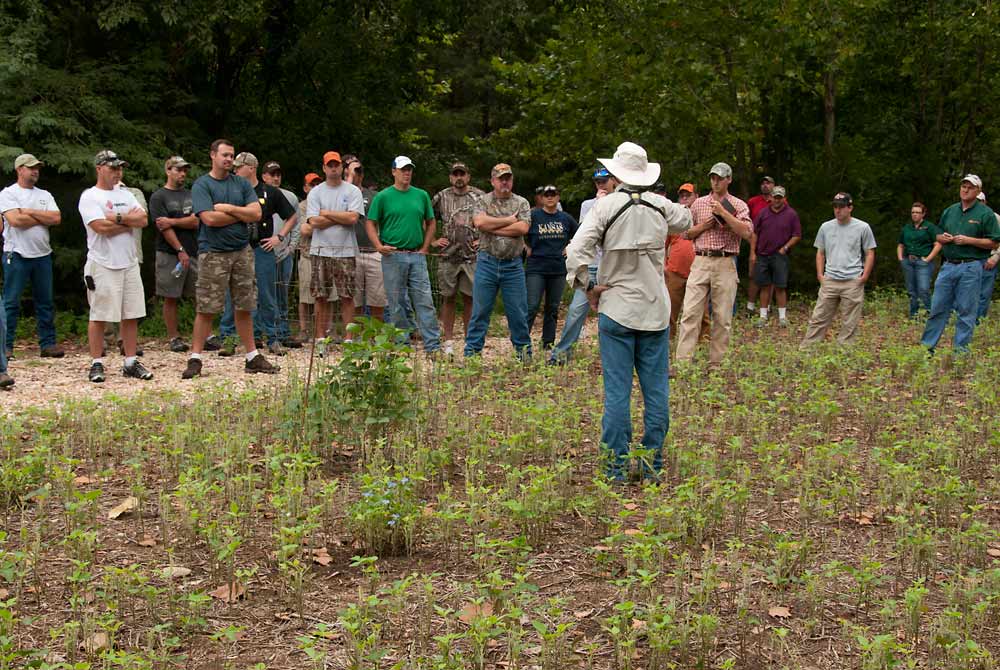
271 167
843 198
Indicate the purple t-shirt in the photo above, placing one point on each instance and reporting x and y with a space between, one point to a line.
774 229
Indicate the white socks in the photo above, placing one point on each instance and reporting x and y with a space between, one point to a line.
130 361
782 312
195 355
763 313
252 355
751 306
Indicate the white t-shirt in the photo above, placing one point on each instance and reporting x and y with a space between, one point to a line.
115 252
29 242
337 241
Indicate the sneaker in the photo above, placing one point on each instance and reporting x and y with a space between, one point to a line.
228 347
6 381
260 364
178 345
193 369
52 351
449 348
136 371
96 373
121 349
761 322
276 349
782 323
212 343
292 343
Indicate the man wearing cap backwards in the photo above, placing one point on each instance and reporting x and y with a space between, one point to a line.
721 220
454 207
631 297
369 285
111 273
968 232
301 237
680 257
225 204
502 218
989 275
401 226
28 212
776 229
845 257
176 243
332 210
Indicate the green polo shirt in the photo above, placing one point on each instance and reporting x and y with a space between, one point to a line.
977 221
916 241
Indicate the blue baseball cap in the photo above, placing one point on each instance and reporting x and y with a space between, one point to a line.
601 173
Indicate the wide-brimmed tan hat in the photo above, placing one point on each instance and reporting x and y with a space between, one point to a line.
631 165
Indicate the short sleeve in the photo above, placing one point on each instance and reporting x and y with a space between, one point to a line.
7 201
820 242
991 227
436 204
312 204
249 195
375 208
201 197
90 209
869 239
356 203
157 207
934 229
50 203
428 208
524 211
282 207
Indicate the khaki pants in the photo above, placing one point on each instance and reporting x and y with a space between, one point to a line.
847 297
676 287
715 276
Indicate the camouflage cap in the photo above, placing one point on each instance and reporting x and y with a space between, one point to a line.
175 161
109 158
501 169
245 158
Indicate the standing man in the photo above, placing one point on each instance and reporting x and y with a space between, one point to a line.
845 257
114 285
631 297
369 285
271 174
680 257
721 220
225 204
28 213
757 204
579 307
454 208
968 233
176 244
776 229
332 210
503 218
401 226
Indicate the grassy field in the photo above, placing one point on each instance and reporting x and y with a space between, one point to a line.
831 509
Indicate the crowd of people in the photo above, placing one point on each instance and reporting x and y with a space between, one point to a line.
234 240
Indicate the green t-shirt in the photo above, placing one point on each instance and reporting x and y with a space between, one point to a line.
916 241
977 221
400 216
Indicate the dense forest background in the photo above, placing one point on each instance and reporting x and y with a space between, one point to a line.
892 101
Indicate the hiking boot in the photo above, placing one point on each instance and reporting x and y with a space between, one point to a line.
228 347
136 371
52 351
212 343
121 349
178 345
193 369
276 349
6 381
260 364
96 373
761 322
292 343
782 323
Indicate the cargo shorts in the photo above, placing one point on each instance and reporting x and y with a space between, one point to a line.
222 270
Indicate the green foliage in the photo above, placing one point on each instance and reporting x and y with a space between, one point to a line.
388 516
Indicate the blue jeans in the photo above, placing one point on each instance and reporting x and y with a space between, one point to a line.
406 272
552 287
986 291
284 281
957 286
507 276
17 272
3 342
647 352
576 316
917 274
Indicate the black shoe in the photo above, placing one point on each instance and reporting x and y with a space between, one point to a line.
292 343
193 369
6 381
52 351
136 371
178 345
260 364
96 373
212 343
121 349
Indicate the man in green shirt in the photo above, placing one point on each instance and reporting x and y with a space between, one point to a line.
968 232
401 226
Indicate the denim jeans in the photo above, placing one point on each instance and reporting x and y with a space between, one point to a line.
552 287
986 291
406 272
506 276
266 315
3 342
576 316
917 274
647 352
17 272
957 286
284 282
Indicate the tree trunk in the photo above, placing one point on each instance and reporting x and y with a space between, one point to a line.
829 109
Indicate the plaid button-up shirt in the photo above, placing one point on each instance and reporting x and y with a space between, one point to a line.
719 237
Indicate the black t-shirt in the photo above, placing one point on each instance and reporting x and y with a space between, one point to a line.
272 201
173 205
548 236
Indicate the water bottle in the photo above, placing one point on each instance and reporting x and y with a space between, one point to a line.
177 271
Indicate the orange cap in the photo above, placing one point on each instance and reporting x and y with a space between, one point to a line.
331 156
311 177
687 187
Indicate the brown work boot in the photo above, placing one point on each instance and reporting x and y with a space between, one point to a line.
52 351
260 364
193 369
6 381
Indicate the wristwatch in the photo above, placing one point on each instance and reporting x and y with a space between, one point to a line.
590 285
118 218
281 238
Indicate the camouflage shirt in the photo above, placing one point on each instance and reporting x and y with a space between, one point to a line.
502 247
455 211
